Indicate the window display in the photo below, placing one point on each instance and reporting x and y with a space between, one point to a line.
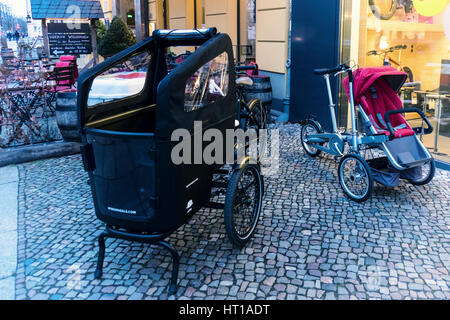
411 36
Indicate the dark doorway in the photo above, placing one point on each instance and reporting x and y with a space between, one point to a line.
315 44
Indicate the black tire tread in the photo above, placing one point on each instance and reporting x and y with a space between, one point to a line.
369 173
318 152
229 202
429 178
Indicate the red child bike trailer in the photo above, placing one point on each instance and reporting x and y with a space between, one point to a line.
373 95
138 191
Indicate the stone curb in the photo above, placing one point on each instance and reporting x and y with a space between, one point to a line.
37 152
9 183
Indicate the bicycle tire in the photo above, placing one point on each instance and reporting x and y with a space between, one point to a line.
409 72
383 15
428 178
363 167
318 130
232 193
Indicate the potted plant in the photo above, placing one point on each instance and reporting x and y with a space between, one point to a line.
118 38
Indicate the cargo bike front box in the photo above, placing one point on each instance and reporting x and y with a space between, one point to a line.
138 191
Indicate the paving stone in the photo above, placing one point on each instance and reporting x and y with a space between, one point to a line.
311 242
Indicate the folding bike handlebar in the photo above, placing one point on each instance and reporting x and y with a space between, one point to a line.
342 68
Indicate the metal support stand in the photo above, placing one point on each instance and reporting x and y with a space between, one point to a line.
150 239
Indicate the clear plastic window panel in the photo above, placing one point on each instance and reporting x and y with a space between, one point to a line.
208 85
124 79
177 55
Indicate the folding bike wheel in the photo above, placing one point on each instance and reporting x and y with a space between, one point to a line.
243 203
355 177
309 128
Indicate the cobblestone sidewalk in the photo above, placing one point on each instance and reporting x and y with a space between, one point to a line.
311 243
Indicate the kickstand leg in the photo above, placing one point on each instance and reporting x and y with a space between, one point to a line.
176 263
101 255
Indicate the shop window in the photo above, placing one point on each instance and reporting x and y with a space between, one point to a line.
208 85
249 50
123 80
410 36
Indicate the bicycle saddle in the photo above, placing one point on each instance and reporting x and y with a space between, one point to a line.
244 81
323 71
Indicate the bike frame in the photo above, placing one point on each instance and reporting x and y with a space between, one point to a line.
354 133
337 140
240 103
243 108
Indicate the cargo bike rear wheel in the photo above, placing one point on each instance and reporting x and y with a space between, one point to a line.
243 202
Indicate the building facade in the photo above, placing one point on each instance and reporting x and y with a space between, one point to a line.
267 43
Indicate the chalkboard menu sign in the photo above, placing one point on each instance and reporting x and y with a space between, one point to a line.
69 39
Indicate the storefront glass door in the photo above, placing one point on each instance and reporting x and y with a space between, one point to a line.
413 36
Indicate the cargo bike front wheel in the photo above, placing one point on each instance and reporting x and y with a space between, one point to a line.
243 203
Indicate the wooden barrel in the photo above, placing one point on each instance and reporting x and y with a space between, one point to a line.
261 89
67 115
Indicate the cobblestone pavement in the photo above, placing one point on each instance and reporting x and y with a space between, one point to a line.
311 243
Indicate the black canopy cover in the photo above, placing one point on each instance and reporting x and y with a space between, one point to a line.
134 182
165 90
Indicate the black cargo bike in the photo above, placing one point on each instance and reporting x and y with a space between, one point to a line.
129 106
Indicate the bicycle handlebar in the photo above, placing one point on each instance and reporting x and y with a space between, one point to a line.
391 49
339 68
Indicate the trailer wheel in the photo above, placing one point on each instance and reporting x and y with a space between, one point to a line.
243 203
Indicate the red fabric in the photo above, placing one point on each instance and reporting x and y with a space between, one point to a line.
423 19
60 88
253 73
377 96
62 85
365 77
66 58
132 75
73 60
60 64
69 90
